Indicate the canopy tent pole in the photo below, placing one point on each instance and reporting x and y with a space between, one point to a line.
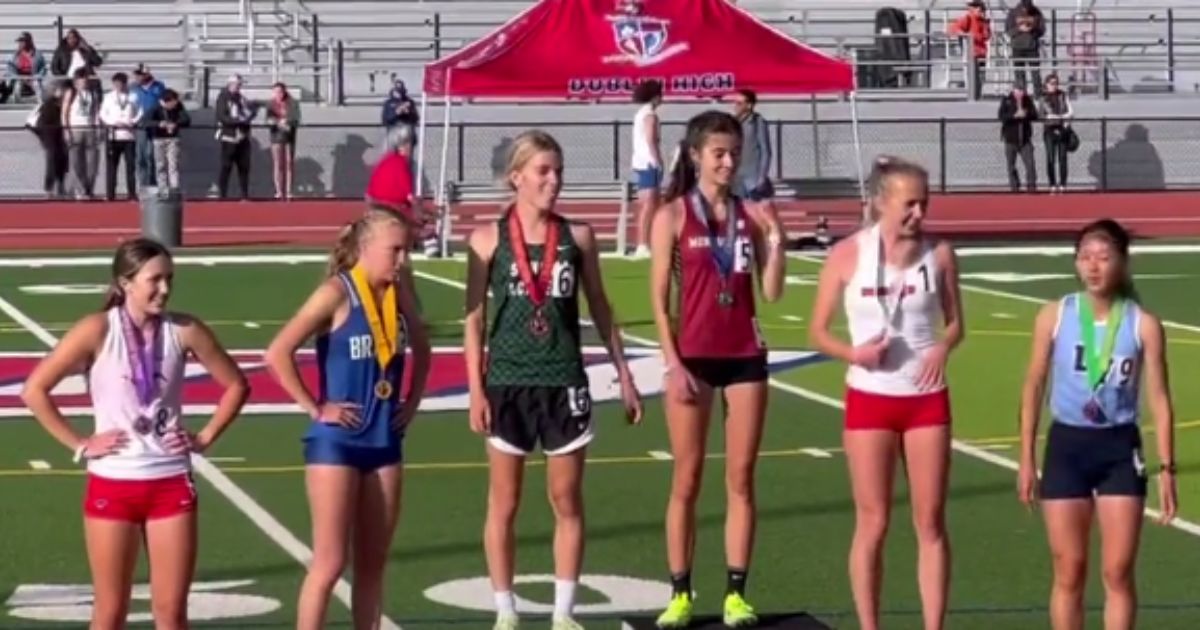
858 163
420 183
447 102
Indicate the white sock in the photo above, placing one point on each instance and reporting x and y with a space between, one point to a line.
564 598
505 604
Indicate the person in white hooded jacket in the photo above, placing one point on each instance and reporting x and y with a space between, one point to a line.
120 113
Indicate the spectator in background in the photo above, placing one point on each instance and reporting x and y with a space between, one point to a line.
1017 113
283 116
81 130
1056 113
234 114
399 110
646 159
46 123
27 61
164 124
976 26
74 53
1026 27
122 116
148 92
753 181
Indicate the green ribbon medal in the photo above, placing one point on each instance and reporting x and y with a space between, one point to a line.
1097 363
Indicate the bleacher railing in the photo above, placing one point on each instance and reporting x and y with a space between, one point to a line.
809 159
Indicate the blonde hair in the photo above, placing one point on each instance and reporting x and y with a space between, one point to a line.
524 147
885 168
351 236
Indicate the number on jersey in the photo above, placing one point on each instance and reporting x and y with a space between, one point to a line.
743 255
579 400
562 280
1124 368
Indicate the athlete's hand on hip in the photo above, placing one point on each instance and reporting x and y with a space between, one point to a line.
1027 483
870 353
106 443
344 414
681 384
480 414
1168 501
178 441
630 398
933 368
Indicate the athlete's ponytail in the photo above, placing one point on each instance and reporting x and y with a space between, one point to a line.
684 174
1118 238
127 261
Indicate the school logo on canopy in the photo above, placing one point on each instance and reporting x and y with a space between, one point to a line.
641 40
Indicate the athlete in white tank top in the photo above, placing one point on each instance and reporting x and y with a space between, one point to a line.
643 155
114 392
908 312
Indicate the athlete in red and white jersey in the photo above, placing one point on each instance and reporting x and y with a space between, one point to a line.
899 289
139 487
715 246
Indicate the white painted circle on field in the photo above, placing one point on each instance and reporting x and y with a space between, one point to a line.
64 289
625 594
73 602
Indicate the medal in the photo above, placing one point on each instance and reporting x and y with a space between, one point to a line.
143 425
537 288
722 252
1093 412
383 389
382 333
144 359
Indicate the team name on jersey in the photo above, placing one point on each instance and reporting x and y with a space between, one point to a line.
562 279
909 289
742 246
361 347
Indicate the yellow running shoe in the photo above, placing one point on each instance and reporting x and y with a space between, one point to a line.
738 613
505 622
678 613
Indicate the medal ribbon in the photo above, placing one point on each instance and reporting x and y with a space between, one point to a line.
722 256
1097 364
539 288
143 359
883 291
382 333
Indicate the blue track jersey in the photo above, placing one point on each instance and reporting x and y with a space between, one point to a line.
1117 396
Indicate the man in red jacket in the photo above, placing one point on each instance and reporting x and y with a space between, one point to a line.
392 185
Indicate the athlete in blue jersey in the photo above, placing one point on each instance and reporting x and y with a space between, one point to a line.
364 316
1096 346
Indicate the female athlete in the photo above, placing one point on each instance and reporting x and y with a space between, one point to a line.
1094 345
897 286
536 390
714 244
139 485
363 315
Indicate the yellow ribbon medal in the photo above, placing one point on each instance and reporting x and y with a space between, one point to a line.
383 334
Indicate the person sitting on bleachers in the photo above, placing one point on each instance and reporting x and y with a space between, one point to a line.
27 61
73 53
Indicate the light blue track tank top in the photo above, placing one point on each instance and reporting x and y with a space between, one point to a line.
348 372
1118 394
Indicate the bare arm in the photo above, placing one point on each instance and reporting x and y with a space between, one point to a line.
830 285
770 258
951 296
418 338
1158 388
70 355
662 247
316 313
200 340
598 304
652 137
1033 392
482 246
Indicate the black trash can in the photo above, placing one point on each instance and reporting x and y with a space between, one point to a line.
162 216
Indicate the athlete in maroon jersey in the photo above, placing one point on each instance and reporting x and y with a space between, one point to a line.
712 245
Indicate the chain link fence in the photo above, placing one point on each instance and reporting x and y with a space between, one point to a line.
961 155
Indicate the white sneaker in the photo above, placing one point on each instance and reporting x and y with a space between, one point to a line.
505 622
642 251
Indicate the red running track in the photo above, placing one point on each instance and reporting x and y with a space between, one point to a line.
77 225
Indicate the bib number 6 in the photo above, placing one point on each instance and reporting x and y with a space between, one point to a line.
579 400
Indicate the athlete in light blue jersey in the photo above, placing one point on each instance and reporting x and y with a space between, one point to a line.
1096 346
364 317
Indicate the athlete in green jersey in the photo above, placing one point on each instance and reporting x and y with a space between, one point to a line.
534 390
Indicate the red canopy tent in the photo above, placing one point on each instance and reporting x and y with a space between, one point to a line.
601 49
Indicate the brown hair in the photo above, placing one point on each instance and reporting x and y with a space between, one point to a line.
1118 238
884 169
699 128
647 91
128 260
344 254
524 147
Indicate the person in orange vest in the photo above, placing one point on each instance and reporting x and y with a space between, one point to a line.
975 24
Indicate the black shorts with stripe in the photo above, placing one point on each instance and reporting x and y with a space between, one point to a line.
557 418
1080 463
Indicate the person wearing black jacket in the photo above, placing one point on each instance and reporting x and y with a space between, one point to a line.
73 53
234 112
1026 27
165 123
399 110
1017 113
46 124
